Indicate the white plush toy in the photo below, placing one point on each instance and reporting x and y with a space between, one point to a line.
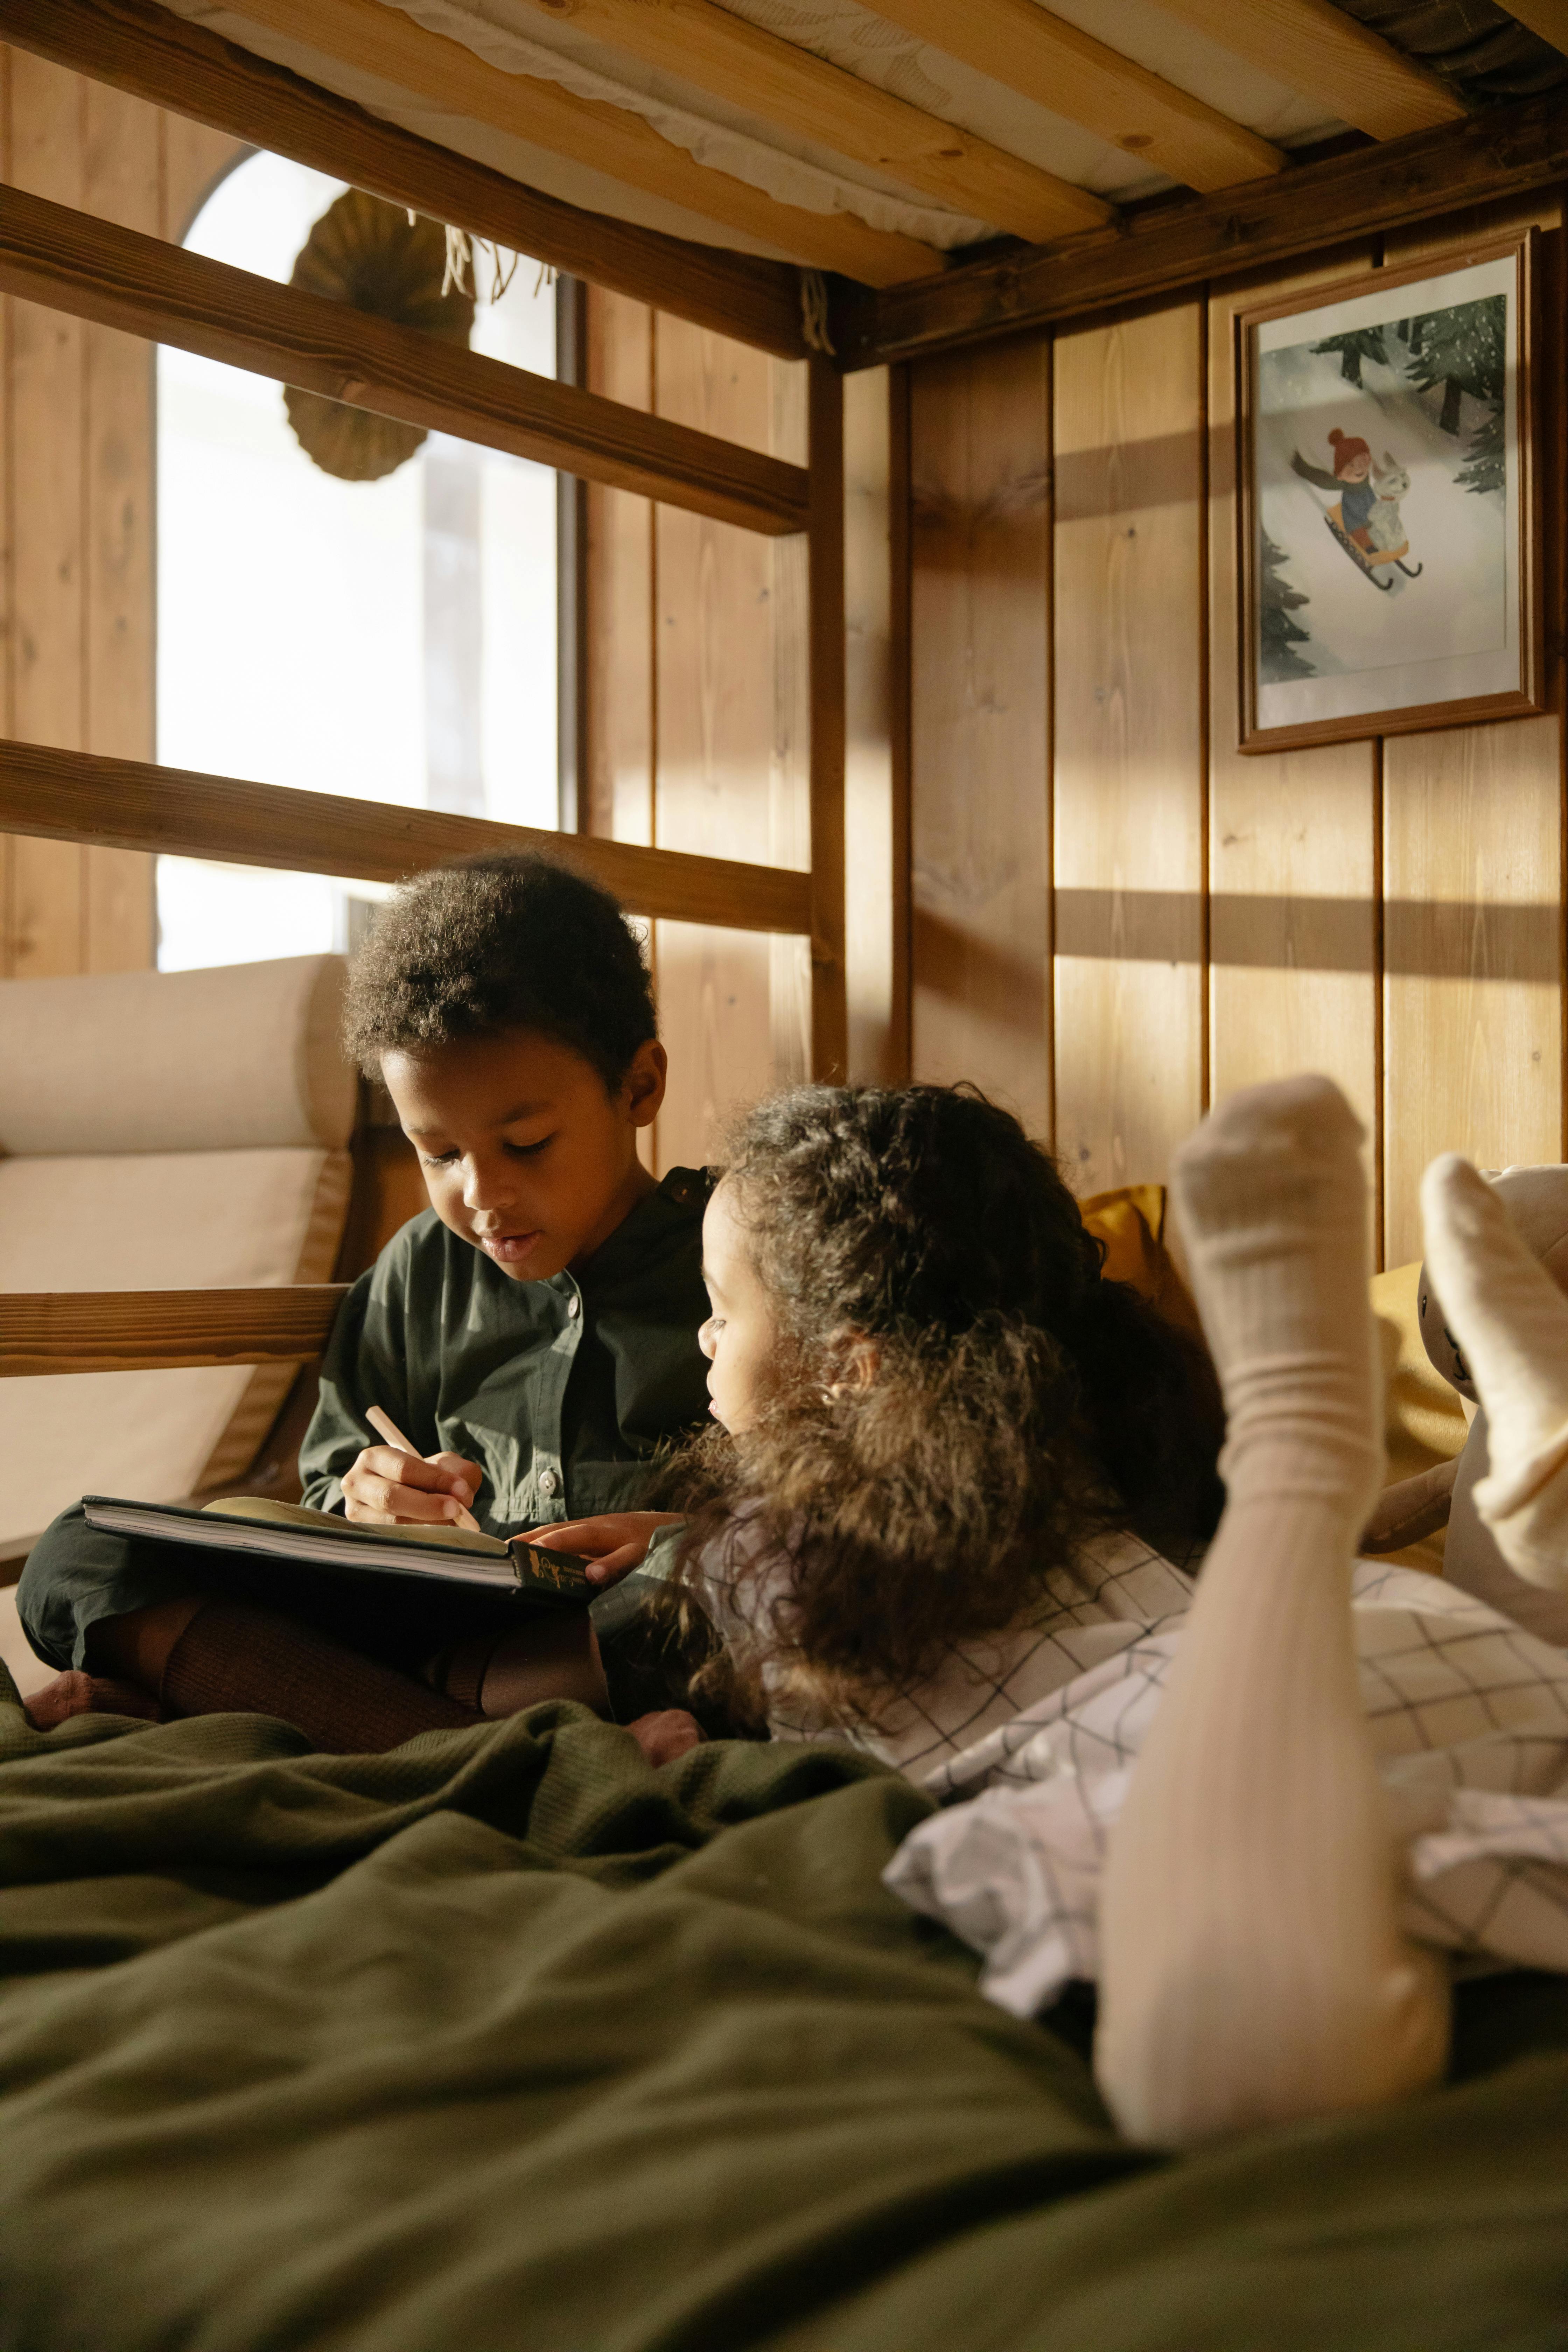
1537 1201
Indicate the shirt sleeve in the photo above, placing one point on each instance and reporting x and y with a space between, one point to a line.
365 1364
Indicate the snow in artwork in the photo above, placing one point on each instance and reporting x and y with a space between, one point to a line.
1386 499
1380 494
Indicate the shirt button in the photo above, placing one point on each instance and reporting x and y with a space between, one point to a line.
548 1482
573 1304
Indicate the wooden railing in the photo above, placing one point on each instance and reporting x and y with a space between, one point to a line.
154 1331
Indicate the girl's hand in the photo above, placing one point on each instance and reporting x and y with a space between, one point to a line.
387 1485
611 1544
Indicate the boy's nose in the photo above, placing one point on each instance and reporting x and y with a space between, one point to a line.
486 1187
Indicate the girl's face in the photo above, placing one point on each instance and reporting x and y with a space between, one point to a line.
740 1337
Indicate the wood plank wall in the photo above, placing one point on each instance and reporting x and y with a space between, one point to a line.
698 723
77 521
1117 918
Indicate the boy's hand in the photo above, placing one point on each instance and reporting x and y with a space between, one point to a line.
386 1484
611 1544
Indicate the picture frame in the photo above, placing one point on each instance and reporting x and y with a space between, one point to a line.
1389 507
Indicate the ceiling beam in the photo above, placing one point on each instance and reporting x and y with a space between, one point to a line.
149 51
1319 50
1052 63
1160 248
383 41
1549 18
174 812
770 77
116 276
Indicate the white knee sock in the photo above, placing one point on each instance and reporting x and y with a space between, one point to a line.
1512 1321
1252 1966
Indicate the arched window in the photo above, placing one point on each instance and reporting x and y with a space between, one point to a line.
395 640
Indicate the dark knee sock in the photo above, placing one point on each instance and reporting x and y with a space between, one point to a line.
233 1659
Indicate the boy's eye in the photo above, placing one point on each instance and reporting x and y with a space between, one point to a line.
530 1151
437 1159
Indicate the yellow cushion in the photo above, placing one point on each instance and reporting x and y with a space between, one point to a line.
1424 1418
1424 1421
1130 1222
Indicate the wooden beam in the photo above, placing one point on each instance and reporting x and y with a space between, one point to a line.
1164 246
1319 50
133 46
130 804
93 269
1051 62
1549 18
741 63
154 1331
829 973
381 40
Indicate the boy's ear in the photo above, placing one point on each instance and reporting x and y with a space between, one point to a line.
644 1083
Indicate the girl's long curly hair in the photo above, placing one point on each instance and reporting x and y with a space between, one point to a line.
1017 1402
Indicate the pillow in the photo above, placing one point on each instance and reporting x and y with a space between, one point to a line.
1130 1222
1426 1419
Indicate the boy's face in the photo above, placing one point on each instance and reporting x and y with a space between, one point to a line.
524 1150
740 1337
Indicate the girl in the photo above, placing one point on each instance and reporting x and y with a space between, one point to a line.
955 1465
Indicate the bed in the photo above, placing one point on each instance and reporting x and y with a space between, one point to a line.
507 2039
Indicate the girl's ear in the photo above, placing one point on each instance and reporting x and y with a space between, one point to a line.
857 1361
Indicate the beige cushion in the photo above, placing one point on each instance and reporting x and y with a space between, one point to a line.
223 1060
173 1220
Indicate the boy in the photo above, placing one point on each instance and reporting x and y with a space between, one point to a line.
534 1333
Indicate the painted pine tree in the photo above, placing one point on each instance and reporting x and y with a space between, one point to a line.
1463 349
1362 343
1278 635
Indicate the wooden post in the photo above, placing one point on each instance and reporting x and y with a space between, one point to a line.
825 447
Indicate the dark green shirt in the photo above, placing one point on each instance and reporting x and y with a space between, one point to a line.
560 1390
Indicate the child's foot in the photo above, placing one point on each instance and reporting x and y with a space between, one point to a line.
1272 1204
1512 1322
78 1693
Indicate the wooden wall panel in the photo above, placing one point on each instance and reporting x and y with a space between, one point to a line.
47 423
979 727
698 717
876 766
1473 852
732 740
1129 751
620 558
78 592
1294 938
1473 930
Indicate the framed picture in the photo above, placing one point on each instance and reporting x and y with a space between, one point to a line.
1389 507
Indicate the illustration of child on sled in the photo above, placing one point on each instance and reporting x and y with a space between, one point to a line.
1365 518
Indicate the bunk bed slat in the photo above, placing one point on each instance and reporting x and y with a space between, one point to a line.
157 1330
92 269
132 804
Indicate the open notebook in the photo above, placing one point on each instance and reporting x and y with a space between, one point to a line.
293 1531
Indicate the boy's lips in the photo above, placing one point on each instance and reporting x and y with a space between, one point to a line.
506 1249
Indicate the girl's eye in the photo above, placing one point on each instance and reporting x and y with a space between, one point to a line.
715 1324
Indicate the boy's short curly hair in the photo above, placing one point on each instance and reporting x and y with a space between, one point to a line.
499 942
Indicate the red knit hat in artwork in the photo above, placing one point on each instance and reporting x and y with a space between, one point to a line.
1346 449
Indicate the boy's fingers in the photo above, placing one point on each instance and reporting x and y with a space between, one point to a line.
463 1478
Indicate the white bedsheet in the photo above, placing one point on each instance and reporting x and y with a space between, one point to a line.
1469 1718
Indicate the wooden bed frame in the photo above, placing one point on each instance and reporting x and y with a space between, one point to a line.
114 276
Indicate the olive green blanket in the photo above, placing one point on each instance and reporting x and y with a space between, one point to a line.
506 2039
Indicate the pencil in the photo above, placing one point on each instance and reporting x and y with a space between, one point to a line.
385 1426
